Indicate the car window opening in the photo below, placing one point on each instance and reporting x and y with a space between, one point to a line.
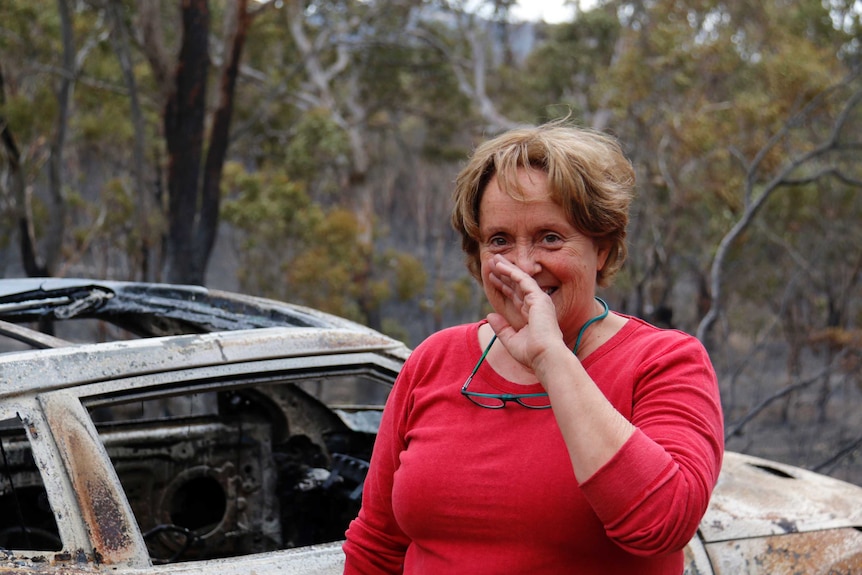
242 468
26 520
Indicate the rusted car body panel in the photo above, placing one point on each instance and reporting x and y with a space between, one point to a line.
234 436
758 498
766 517
832 552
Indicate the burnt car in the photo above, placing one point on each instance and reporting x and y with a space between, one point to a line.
160 428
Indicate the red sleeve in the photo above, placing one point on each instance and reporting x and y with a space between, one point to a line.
653 493
374 542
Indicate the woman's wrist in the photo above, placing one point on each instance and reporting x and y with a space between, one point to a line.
554 359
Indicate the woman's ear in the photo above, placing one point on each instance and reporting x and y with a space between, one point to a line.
603 251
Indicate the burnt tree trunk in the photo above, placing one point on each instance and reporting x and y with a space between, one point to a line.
185 113
194 182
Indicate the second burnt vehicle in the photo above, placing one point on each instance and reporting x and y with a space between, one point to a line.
150 428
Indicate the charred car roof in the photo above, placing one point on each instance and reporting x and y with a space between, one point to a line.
150 310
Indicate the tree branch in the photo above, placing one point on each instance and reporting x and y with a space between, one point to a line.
782 178
783 392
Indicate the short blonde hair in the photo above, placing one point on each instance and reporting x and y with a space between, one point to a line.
588 176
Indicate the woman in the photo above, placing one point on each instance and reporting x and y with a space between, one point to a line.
582 441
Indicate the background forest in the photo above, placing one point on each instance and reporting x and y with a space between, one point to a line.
305 150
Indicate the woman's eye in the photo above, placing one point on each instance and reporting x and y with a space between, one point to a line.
552 238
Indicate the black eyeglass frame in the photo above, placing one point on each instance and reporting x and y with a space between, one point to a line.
503 398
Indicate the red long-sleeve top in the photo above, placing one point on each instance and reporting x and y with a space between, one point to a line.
456 488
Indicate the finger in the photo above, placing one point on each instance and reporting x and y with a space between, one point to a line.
505 279
503 286
513 276
499 325
505 333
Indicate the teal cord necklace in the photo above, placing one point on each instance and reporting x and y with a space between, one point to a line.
601 316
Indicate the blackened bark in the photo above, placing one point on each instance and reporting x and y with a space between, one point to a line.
33 267
26 240
194 195
185 113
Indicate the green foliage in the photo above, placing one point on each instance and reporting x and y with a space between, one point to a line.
295 249
409 274
341 274
105 128
273 213
30 116
324 275
396 330
119 200
101 229
802 234
269 203
564 68
463 292
316 143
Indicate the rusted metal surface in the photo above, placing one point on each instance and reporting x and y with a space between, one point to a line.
755 497
59 379
833 552
114 535
312 560
45 457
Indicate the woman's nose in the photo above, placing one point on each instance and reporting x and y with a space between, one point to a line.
524 257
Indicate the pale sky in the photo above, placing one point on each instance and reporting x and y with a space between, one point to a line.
552 11
547 10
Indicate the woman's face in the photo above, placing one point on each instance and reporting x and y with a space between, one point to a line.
534 234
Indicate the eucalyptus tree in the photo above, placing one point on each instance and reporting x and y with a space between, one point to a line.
337 102
31 146
196 137
69 77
